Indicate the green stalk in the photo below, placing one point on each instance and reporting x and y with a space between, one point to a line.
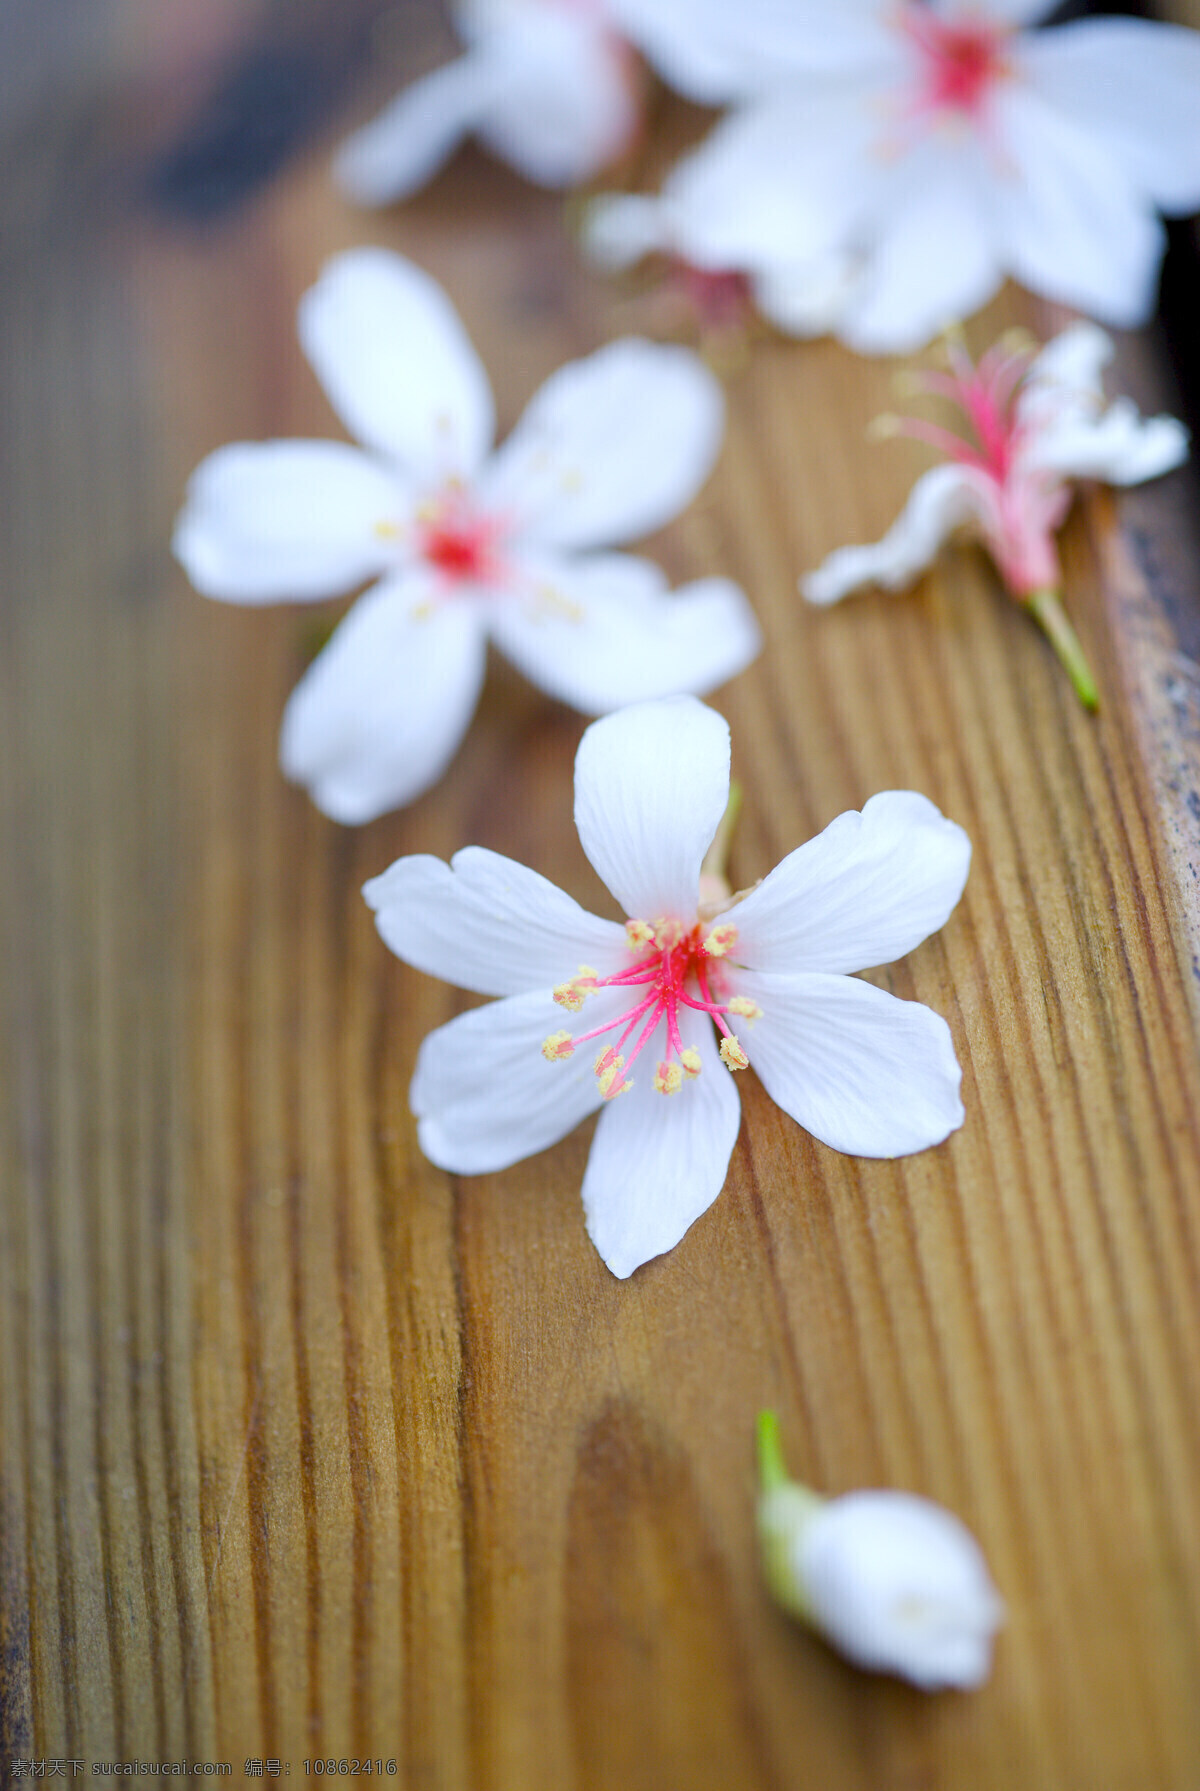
716 859
1046 608
771 1471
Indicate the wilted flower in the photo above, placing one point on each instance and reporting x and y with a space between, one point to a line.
894 1582
1037 422
467 547
551 86
907 155
686 991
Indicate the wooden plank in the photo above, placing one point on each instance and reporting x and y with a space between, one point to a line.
308 1449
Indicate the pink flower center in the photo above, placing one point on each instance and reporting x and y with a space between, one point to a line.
1021 507
676 966
958 63
459 543
719 298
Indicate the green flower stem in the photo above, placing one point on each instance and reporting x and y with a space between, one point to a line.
716 859
771 1471
785 1508
1046 607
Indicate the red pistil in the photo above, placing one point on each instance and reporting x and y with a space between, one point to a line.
458 542
960 61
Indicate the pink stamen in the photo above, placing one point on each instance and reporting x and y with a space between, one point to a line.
1021 508
667 972
958 62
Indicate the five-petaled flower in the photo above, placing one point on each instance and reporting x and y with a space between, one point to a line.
1037 421
896 1583
905 155
664 1007
465 546
551 86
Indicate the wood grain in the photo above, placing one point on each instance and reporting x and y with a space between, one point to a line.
308 1449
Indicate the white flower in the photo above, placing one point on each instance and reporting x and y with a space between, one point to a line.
1036 422
621 229
914 154
893 1581
550 85
465 546
680 995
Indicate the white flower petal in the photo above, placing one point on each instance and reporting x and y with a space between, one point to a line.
808 298
399 369
489 924
863 1072
867 890
618 229
410 139
932 258
901 1586
484 1095
266 521
605 632
651 784
997 12
380 712
610 448
1071 224
1121 447
1067 370
659 1161
1135 86
1067 430
570 107
695 47
787 180
940 501
774 38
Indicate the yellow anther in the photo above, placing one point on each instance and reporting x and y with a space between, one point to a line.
720 940
667 934
747 1009
668 1078
732 1055
639 933
690 1059
388 531
571 995
610 1076
557 1046
880 428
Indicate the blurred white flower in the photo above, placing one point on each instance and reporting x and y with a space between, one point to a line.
894 1582
620 229
907 155
684 992
1037 422
467 545
551 86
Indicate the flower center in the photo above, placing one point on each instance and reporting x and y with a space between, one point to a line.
958 62
675 966
719 298
460 544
